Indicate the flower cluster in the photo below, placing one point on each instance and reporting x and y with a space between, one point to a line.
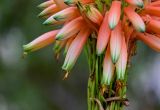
115 23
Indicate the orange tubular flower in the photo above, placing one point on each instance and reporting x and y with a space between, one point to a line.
41 41
103 35
114 14
75 49
51 9
135 19
154 26
116 43
122 61
151 40
108 69
152 10
70 29
46 4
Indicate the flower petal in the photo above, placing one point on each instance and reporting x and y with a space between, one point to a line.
103 35
46 4
122 61
66 14
49 10
154 26
75 48
41 41
135 19
155 11
108 69
151 40
116 43
70 29
114 14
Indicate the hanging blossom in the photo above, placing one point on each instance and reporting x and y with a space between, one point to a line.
116 24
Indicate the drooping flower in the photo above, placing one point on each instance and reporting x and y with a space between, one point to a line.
70 29
151 40
115 26
46 4
41 41
103 35
136 20
114 14
75 48
49 10
108 69
116 43
122 61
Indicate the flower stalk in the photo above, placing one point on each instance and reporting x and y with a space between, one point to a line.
108 30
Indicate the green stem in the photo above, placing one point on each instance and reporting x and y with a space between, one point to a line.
116 89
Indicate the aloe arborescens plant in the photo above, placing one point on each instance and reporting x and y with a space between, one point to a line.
108 30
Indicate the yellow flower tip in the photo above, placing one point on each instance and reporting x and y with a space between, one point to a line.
66 75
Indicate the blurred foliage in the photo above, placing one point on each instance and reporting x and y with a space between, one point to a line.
35 83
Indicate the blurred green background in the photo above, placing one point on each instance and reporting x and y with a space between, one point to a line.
35 83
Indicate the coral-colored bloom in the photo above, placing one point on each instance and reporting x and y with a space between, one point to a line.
152 10
49 10
108 69
46 4
66 14
79 20
103 35
114 14
151 40
75 48
135 19
116 43
122 61
62 16
70 29
41 41
156 3
154 26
